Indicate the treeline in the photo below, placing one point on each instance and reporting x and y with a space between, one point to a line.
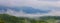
5 18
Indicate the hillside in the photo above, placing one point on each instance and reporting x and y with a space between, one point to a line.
5 18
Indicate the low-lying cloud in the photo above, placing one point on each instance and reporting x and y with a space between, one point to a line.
47 7
29 12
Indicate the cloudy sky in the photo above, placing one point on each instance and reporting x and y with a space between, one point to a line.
33 3
53 5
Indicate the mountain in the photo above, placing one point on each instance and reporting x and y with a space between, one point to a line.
32 10
26 9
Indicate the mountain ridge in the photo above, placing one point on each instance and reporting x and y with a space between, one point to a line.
26 9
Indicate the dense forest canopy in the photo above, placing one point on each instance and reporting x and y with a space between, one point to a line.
5 18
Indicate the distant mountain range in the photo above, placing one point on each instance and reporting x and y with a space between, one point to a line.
24 9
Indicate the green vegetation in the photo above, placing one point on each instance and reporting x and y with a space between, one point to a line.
5 18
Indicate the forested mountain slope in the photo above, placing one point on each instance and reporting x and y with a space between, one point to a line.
5 18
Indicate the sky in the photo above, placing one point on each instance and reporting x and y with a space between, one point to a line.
44 5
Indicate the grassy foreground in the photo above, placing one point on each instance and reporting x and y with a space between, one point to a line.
5 18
